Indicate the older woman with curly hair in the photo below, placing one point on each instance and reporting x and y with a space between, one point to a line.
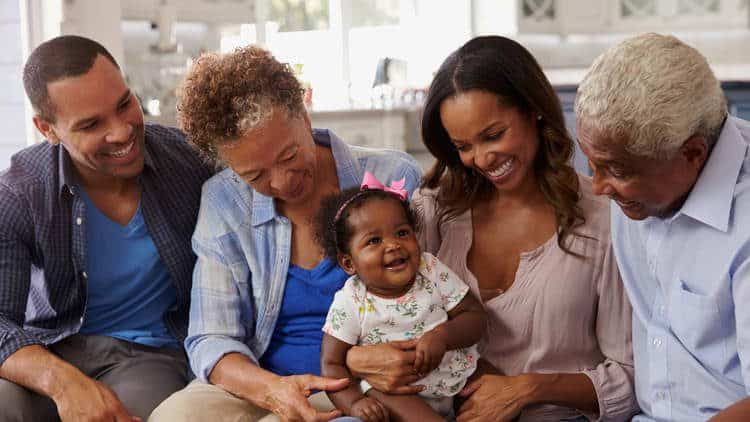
503 208
262 286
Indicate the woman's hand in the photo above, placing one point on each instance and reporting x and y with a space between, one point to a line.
287 397
369 410
388 367
430 350
495 398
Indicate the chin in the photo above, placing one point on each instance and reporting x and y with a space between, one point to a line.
636 215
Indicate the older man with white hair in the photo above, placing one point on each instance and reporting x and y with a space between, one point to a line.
653 121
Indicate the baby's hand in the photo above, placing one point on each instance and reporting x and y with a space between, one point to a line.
369 410
430 350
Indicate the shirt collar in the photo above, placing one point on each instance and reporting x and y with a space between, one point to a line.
67 178
710 200
348 172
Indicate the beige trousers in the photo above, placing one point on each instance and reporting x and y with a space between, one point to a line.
200 401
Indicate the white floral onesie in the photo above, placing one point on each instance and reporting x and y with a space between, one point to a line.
358 317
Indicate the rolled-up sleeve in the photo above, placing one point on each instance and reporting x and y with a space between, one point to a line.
216 324
613 378
16 234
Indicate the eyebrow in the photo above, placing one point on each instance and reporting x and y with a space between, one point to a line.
86 120
252 172
612 163
400 225
605 162
482 132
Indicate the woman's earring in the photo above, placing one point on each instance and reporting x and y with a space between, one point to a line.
539 117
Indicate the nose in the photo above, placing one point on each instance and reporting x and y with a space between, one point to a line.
392 245
279 180
120 132
483 158
600 184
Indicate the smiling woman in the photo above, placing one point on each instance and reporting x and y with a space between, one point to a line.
504 210
262 286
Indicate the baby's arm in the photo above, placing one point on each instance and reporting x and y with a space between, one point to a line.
350 400
464 327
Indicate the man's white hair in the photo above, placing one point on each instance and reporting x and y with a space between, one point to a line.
651 92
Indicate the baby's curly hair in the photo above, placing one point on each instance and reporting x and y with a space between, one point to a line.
334 235
224 96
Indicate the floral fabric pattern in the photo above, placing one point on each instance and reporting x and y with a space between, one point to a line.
358 317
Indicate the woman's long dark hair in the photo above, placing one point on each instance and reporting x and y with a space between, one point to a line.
501 66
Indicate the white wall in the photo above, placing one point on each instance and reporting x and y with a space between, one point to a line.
13 121
96 19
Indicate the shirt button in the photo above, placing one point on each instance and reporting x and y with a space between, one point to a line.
661 395
657 342
79 221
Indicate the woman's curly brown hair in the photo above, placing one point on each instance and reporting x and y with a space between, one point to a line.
224 96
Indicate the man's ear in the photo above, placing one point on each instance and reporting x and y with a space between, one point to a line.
346 262
695 152
45 128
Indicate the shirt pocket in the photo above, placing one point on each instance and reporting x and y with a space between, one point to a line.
234 257
698 324
237 265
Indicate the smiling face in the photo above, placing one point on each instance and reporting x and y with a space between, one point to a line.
383 249
641 187
499 142
99 122
277 158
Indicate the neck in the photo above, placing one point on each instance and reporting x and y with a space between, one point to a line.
110 184
527 193
390 293
325 182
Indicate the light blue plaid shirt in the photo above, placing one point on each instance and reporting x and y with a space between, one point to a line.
688 279
243 248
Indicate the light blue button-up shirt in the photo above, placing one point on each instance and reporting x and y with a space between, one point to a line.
688 279
243 247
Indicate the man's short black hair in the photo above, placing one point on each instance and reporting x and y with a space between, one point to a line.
61 57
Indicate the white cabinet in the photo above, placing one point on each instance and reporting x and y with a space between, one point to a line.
208 11
393 128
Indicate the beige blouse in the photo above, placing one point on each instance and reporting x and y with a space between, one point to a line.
562 314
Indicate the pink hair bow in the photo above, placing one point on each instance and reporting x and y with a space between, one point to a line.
396 188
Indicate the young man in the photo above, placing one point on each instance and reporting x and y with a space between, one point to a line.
652 119
95 256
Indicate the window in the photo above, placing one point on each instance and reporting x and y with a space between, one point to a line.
299 15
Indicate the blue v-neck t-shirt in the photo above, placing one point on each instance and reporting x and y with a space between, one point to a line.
128 286
295 343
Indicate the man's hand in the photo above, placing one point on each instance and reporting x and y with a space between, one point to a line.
369 410
388 367
84 399
287 397
78 397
